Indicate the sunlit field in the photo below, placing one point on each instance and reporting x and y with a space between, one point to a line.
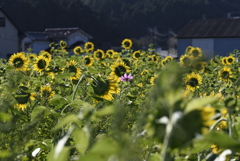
133 105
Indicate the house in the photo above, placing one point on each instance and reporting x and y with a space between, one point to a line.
38 41
213 36
10 36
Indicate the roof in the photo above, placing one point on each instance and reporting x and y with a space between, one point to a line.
1 9
37 35
211 28
64 32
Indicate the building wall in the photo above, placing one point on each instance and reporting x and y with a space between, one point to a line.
39 45
223 46
8 38
206 45
182 45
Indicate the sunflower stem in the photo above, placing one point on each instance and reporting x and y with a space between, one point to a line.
79 81
217 122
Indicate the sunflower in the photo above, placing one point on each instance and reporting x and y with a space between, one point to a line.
224 61
72 68
152 80
154 58
99 54
63 44
19 61
88 61
193 81
144 72
127 43
78 50
20 106
189 49
166 60
230 60
186 60
225 74
196 53
110 53
119 69
32 57
207 113
200 66
105 88
46 91
89 46
41 63
46 55
136 54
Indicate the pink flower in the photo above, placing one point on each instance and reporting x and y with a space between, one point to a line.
126 77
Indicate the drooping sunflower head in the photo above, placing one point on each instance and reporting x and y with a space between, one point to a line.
189 49
137 54
166 60
105 88
186 60
207 113
41 63
19 61
63 44
200 66
88 61
46 55
224 61
119 68
155 58
89 46
46 92
71 67
127 43
230 60
225 74
99 54
196 53
78 50
193 81
110 53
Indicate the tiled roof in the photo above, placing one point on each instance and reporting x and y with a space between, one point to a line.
63 32
37 35
211 28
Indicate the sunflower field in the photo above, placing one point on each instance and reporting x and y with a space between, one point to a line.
132 105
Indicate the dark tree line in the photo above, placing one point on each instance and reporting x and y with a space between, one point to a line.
114 20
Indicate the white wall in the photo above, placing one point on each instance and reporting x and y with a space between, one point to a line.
207 46
40 45
76 37
8 38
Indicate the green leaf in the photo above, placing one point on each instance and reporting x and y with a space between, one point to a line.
67 119
105 111
221 139
154 157
81 138
58 101
5 117
63 156
199 102
40 110
102 150
4 154
78 103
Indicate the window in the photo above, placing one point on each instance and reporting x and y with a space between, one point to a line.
2 22
27 46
